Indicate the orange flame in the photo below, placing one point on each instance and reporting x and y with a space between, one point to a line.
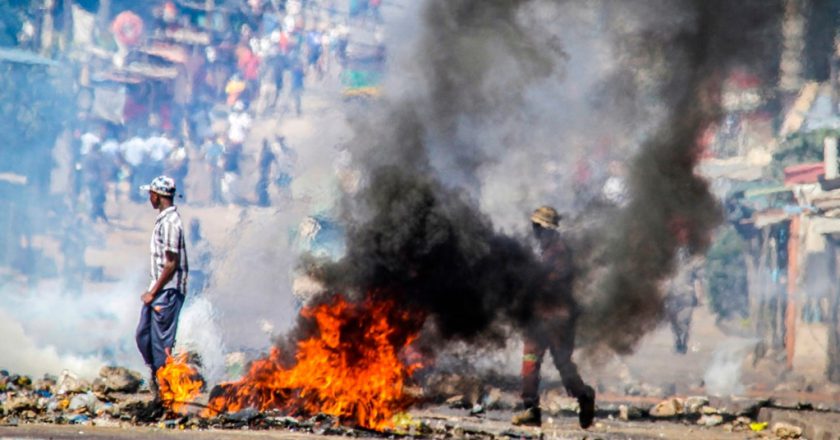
179 383
351 370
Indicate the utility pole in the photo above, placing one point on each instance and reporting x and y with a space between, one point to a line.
103 17
833 350
67 20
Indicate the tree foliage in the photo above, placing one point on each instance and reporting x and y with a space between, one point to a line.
726 270
800 147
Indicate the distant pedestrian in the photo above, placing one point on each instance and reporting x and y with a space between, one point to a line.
313 44
94 172
279 72
286 163
234 89
681 289
267 159
230 168
213 152
169 270
239 122
681 299
297 85
248 64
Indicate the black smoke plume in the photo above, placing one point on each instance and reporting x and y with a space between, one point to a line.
416 234
419 238
667 194
430 249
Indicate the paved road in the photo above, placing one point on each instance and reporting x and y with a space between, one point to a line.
495 425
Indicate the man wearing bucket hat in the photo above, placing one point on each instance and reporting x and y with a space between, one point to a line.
169 269
552 327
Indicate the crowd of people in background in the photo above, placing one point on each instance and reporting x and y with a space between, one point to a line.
258 62
239 64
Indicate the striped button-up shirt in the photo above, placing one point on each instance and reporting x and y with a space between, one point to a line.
168 236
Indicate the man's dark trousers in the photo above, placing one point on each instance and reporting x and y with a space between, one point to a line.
157 327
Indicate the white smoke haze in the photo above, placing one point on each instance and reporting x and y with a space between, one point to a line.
254 269
25 355
199 332
46 331
723 375
251 279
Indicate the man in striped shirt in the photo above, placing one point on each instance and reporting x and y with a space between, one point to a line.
169 269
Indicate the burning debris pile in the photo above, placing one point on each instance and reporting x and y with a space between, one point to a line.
116 398
353 368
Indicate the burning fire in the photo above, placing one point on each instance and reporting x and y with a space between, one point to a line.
350 369
179 383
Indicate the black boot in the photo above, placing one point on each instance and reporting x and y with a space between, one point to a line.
586 401
681 346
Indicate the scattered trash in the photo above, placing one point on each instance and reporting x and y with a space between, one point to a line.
758 426
79 419
244 415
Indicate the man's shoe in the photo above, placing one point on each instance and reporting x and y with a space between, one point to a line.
154 388
529 417
587 407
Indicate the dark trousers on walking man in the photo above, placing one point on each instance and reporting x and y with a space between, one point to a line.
557 336
553 332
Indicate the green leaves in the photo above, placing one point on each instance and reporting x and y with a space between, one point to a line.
800 147
726 270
